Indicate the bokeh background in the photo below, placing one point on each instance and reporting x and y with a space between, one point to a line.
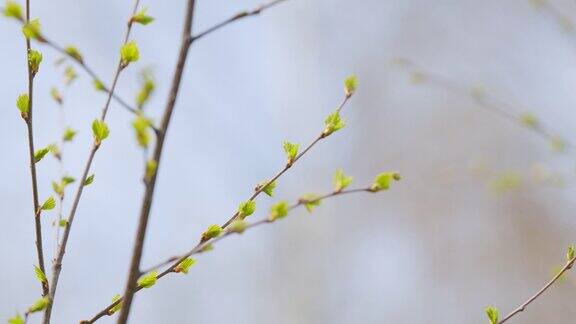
482 217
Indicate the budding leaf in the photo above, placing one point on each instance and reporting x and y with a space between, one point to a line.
116 307
13 10
58 188
246 208
291 151
148 280
350 85
74 53
34 60
341 181
268 187
278 211
212 232
492 313
310 201
39 305
99 130
68 135
206 248
570 253
70 75
185 265
55 94
237 226
53 148
63 223
383 180
98 85
151 166
23 104
49 204
141 127
40 154
89 180
333 123
529 120
31 30
40 274
66 180
17 319
129 53
146 89
142 18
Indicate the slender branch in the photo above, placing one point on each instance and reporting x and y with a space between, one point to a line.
146 206
522 307
238 16
202 245
485 102
30 131
57 264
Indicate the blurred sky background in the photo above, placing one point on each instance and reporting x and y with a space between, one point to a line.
482 216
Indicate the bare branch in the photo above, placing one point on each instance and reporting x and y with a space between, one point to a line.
522 307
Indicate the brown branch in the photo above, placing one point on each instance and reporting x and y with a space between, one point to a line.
522 307
57 265
238 16
203 243
30 131
150 183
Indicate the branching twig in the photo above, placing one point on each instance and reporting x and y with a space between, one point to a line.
238 16
487 103
522 307
29 127
134 271
57 266
203 243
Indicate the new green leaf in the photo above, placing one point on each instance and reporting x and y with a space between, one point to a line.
333 123
237 226
493 314
13 10
310 201
40 154
570 253
129 53
99 130
48 204
148 280
40 275
246 208
211 232
383 180
267 188
34 60
39 305
23 104
68 135
98 85
185 265
278 211
141 127
89 180
350 85
141 17
31 30
116 307
74 53
291 151
55 94
341 181
17 319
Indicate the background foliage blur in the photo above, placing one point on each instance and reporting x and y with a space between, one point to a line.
482 216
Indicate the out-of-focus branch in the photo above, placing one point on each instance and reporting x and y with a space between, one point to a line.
526 120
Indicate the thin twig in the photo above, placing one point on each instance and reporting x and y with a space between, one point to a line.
30 130
485 102
57 265
150 182
238 16
202 245
522 307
